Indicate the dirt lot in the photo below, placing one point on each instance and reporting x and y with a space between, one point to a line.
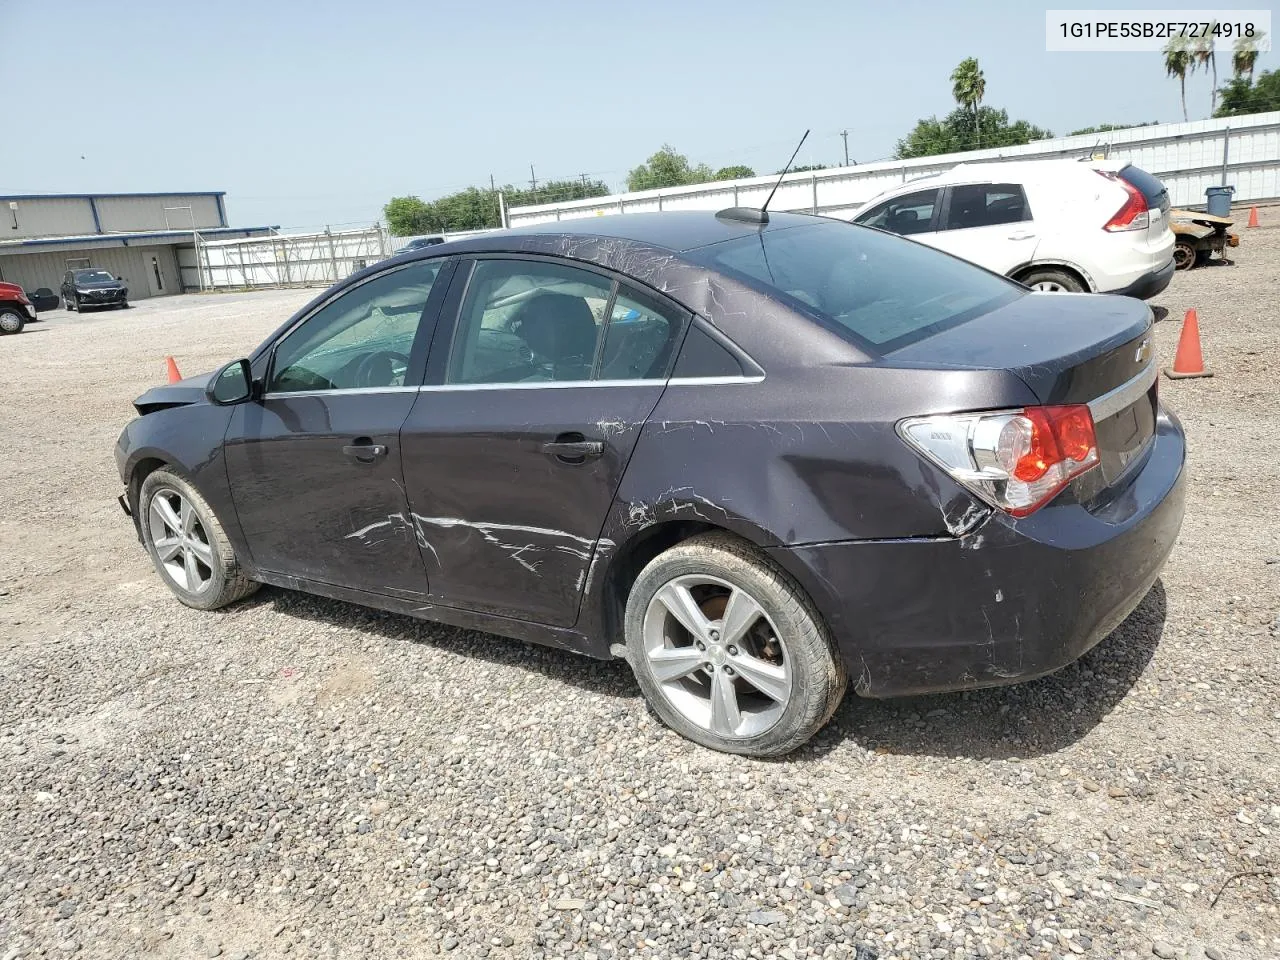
295 776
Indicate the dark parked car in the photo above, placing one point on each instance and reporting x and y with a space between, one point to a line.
754 460
92 287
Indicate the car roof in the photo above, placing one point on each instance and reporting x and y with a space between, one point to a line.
677 230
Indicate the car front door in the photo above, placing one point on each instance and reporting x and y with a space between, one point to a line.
514 450
315 463
989 224
913 215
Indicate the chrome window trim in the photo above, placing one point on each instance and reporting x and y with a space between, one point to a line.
1123 396
336 392
566 384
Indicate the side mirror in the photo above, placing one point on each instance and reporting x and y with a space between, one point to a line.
231 385
119 278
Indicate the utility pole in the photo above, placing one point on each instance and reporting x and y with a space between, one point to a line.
583 177
533 182
845 135
493 192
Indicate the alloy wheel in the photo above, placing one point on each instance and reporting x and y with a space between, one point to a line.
1049 285
717 656
180 542
10 322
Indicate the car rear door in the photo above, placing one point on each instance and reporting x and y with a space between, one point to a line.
515 448
315 464
989 224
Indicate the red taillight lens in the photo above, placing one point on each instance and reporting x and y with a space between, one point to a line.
1135 214
1017 460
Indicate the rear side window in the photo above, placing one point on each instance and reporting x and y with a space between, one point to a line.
1150 187
701 356
904 215
640 338
882 291
986 205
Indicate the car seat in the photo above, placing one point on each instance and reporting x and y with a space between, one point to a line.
560 330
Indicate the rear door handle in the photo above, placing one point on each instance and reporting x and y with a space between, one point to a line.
364 450
573 448
1022 235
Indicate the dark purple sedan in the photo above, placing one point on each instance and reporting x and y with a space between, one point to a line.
756 460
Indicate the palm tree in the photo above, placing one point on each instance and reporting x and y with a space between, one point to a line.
1205 55
1245 57
1178 62
968 85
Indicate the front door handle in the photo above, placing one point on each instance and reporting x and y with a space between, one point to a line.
573 448
1022 235
364 450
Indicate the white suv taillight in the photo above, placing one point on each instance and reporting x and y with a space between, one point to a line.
1017 460
1134 215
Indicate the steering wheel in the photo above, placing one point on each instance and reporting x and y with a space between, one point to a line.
382 368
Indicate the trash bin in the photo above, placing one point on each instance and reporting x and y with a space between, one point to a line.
1219 200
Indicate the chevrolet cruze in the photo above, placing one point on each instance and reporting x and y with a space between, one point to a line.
760 458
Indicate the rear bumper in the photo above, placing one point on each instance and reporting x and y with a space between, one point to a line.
1148 285
1009 601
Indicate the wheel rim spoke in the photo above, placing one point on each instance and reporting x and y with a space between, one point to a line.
769 678
192 569
739 614
168 548
672 663
202 550
725 714
680 603
187 516
164 512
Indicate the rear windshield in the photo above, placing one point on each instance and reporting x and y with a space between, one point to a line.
1150 187
885 291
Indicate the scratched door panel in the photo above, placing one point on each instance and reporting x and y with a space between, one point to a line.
506 527
310 510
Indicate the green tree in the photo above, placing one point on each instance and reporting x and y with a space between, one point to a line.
1202 48
806 167
738 172
968 85
1239 96
1244 55
1178 62
406 216
1108 127
961 130
477 209
666 168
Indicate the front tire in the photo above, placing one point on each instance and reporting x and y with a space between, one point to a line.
729 651
11 321
187 544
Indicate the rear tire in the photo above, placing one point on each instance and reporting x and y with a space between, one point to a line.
187 544
760 688
1052 281
1184 256
11 321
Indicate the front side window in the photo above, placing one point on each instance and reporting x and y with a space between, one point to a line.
361 340
904 215
882 290
529 321
986 205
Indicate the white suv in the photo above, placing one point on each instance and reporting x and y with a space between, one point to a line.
1061 225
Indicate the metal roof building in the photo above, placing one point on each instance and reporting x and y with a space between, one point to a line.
149 239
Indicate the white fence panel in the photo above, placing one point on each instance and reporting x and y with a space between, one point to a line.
300 260
1243 152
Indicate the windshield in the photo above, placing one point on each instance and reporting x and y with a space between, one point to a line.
885 291
94 276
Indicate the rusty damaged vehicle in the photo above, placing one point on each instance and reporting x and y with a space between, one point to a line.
760 457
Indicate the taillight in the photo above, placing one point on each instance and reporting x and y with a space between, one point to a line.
1017 460
1134 215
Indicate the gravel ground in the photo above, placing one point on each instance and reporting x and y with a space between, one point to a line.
300 777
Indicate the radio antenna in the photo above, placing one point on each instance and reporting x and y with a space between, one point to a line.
761 215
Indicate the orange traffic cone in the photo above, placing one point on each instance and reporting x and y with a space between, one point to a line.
174 375
1188 361
1253 216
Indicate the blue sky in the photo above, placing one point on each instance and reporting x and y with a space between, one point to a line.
310 113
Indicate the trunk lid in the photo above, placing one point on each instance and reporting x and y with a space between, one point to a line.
1067 348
